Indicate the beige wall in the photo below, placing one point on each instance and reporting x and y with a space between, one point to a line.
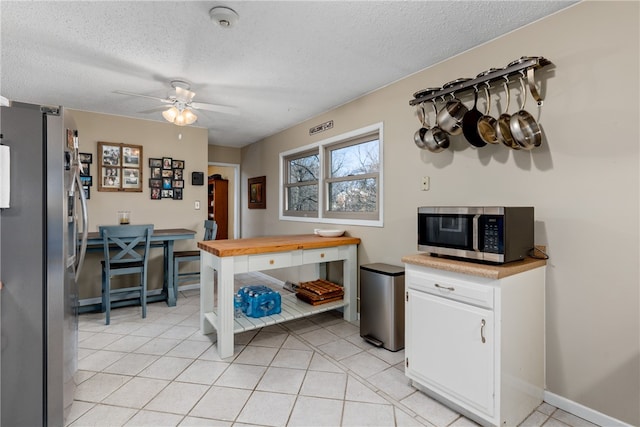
157 140
583 182
220 154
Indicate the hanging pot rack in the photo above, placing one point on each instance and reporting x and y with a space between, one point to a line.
518 67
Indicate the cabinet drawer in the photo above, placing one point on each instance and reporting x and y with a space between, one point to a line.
269 261
450 288
312 256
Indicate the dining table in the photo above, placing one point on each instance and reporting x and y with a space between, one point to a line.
161 237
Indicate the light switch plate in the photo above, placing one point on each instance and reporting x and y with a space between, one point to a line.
196 205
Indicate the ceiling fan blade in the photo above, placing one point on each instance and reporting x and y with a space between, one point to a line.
214 107
153 110
164 100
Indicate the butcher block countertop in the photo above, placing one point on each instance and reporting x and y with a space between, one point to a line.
260 245
472 268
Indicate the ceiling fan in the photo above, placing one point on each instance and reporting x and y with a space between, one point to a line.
181 104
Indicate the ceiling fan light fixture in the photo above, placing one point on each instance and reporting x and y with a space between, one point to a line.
170 114
189 116
224 16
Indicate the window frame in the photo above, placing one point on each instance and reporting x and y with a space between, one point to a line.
286 185
354 137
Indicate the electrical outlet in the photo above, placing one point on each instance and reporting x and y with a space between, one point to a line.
425 183
197 205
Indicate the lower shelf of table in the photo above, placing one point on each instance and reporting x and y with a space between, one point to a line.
292 308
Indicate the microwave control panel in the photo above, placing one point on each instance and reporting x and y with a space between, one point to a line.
492 227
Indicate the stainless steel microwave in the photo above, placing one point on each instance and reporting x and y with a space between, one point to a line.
492 234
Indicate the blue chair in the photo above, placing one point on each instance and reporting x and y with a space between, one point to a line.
210 230
126 251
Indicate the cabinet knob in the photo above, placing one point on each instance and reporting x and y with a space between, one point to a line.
321 255
271 261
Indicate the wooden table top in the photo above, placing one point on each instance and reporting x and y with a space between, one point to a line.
157 233
284 243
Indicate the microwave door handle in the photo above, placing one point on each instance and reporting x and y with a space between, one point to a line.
475 233
85 223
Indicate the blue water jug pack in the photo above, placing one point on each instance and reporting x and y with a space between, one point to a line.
258 301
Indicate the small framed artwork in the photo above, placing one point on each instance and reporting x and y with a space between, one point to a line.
257 192
156 172
166 184
87 192
119 167
155 163
87 181
167 173
167 162
85 157
167 194
85 169
155 183
178 173
177 193
156 194
178 183
177 164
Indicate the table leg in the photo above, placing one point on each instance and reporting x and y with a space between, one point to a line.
206 290
226 317
350 278
168 277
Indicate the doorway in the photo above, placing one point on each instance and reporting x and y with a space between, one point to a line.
230 172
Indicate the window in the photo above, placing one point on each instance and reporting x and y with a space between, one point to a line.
336 180
301 184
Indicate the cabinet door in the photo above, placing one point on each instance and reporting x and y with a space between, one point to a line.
445 349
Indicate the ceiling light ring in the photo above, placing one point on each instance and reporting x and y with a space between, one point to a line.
224 16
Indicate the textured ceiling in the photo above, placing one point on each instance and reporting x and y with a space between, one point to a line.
282 63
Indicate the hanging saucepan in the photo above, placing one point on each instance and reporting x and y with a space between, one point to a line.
524 128
419 135
487 123
503 130
451 115
435 138
470 123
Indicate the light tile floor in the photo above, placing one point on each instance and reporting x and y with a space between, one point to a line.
316 371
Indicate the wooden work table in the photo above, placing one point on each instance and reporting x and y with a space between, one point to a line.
229 257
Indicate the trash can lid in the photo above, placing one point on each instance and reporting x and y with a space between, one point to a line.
387 269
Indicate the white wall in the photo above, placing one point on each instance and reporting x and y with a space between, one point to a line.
583 182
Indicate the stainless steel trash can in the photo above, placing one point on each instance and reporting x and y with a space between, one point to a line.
382 305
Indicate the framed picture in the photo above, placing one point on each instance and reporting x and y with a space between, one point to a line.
85 157
167 162
178 183
257 192
70 139
155 163
155 183
87 192
166 184
167 194
178 173
156 172
156 193
119 167
87 181
177 164
177 193
85 169
167 173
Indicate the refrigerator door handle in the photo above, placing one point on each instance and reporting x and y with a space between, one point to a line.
85 221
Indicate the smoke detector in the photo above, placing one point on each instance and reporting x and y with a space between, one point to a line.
224 16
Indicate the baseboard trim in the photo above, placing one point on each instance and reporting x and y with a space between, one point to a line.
582 411
189 287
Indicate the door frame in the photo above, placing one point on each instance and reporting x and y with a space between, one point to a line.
236 195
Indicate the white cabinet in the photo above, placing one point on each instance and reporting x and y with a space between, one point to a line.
476 343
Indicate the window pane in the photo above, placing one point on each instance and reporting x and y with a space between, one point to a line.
304 169
353 196
355 159
303 198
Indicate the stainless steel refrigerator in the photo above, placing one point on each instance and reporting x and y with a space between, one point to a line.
41 252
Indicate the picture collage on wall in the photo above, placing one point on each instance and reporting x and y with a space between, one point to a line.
85 173
167 178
